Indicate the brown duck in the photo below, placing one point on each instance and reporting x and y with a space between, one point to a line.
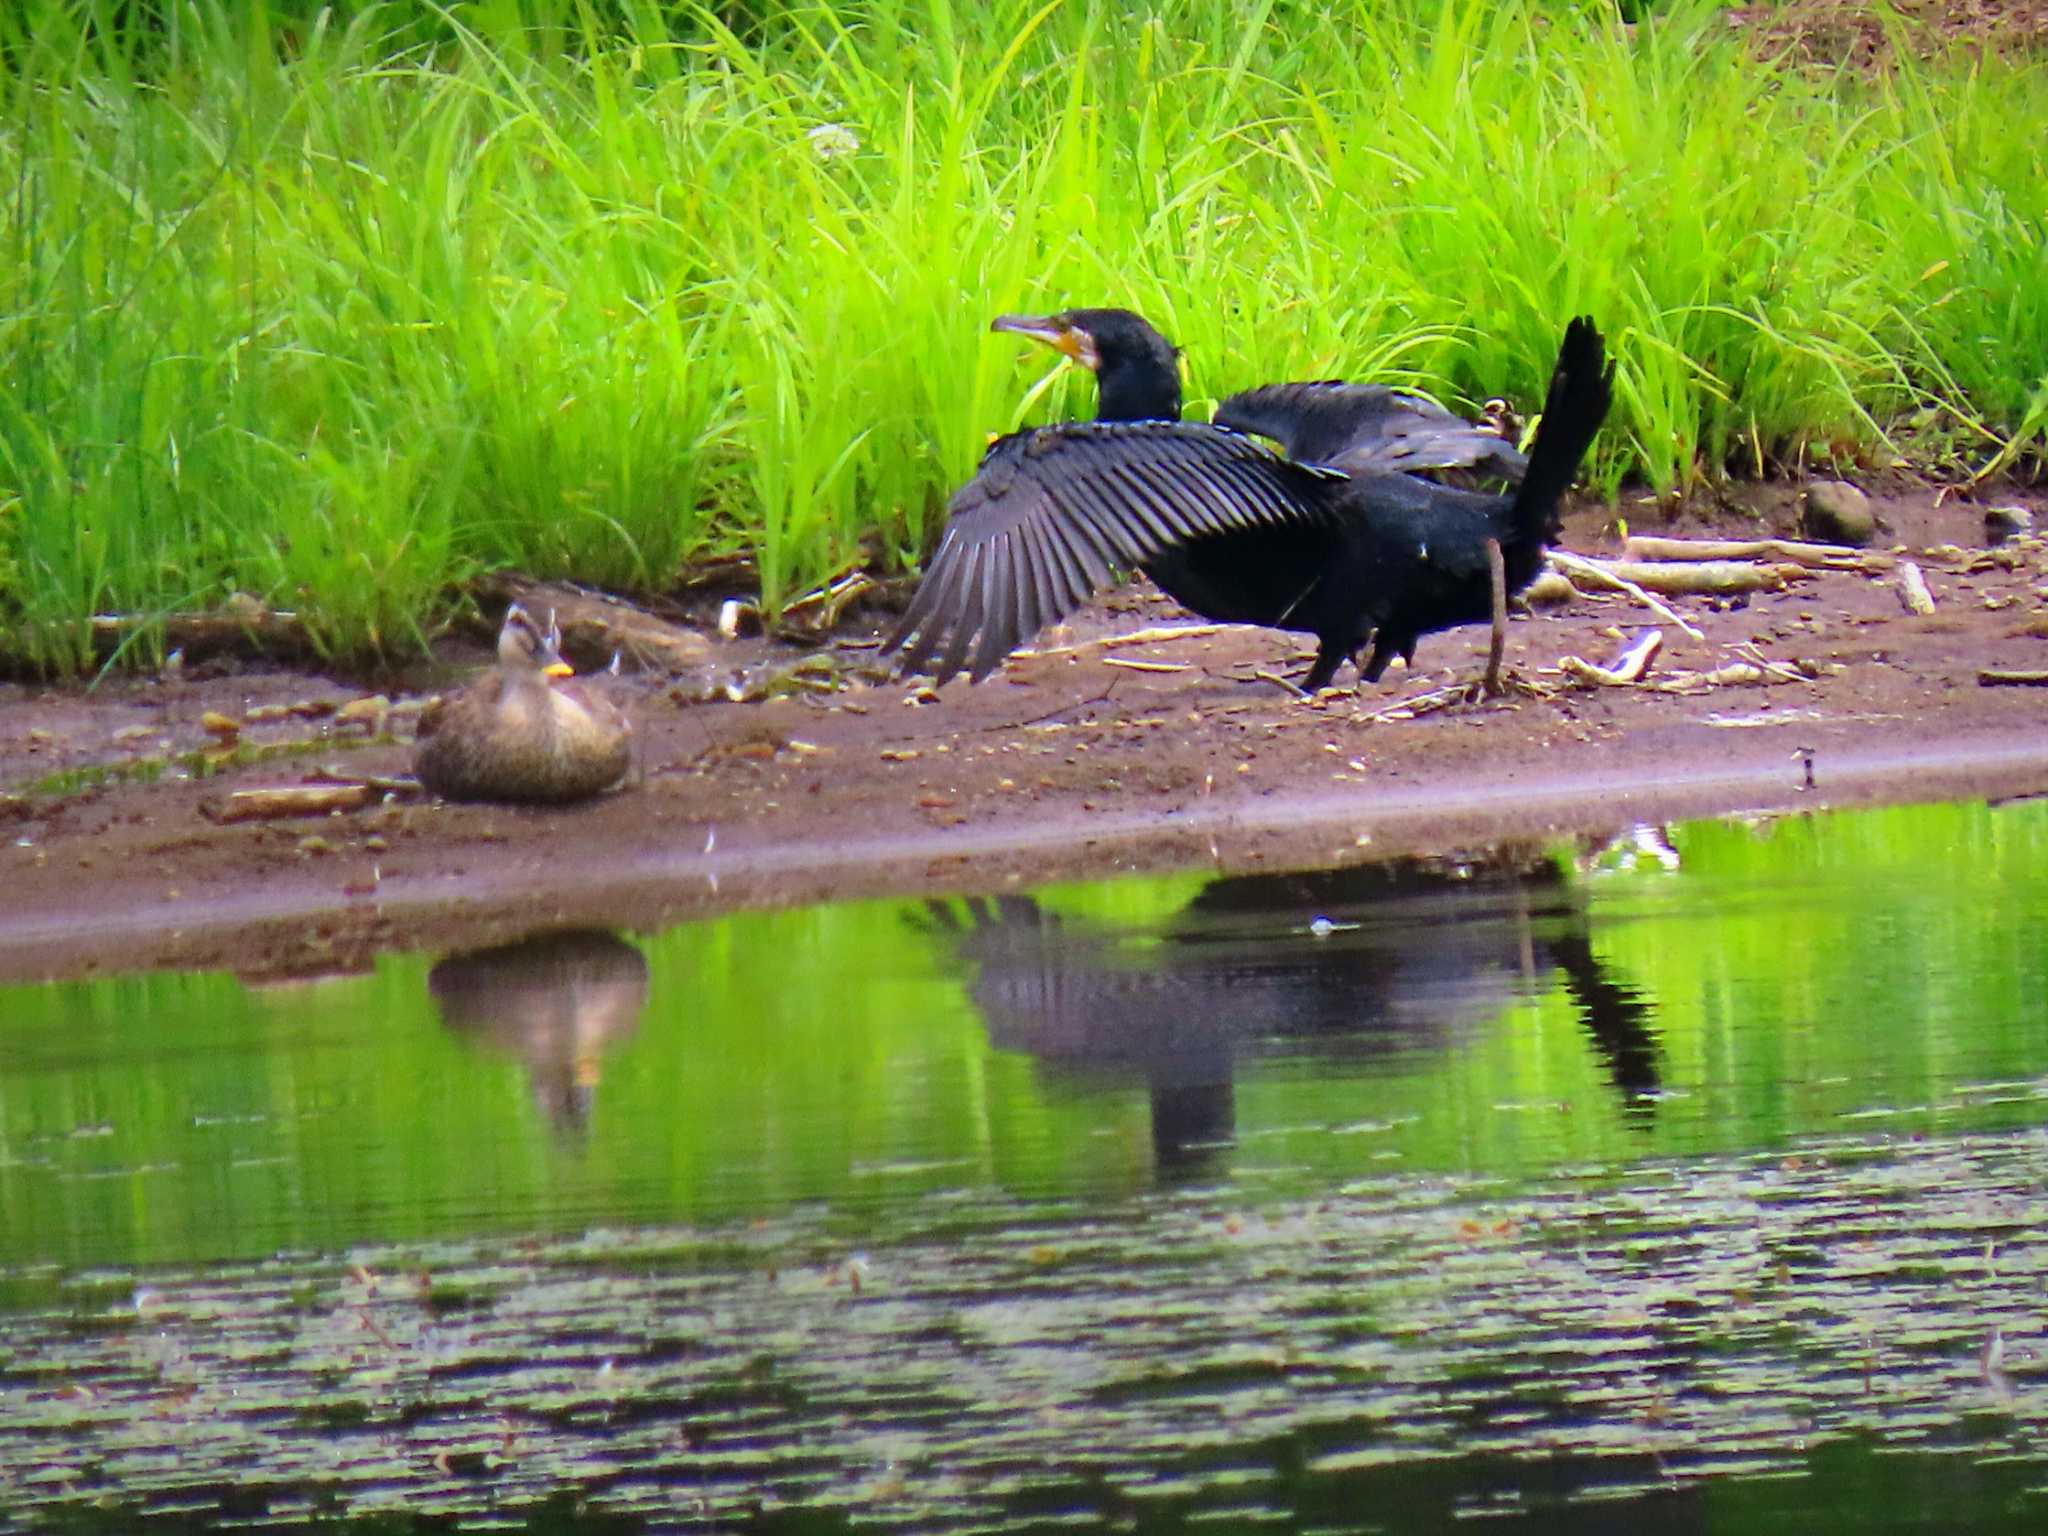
519 734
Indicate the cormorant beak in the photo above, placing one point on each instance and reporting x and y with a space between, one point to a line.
1062 336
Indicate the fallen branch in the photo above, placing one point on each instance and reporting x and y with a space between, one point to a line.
2003 677
246 628
1706 578
1821 557
1913 589
1600 575
1144 666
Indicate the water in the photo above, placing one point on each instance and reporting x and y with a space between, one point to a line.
1696 1179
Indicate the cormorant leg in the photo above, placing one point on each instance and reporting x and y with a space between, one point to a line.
1496 568
1377 663
1329 657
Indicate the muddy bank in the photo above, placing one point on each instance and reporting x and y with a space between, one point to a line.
1086 759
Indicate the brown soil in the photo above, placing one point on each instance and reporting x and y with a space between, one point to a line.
1861 35
1066 764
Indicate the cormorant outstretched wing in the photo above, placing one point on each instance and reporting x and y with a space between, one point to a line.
1055 512
1360 427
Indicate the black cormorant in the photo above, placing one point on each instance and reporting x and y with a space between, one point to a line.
1234 531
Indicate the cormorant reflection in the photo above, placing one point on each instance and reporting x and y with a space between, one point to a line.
556 1000
1376 959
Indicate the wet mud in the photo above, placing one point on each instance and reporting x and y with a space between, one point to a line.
1082 759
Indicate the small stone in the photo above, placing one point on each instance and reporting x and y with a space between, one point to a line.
214 723
370 712
315 846
737 617
1836 512
2002 523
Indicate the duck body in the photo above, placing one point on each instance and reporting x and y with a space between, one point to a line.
520 736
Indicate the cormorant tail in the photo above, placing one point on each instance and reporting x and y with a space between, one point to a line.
1581 388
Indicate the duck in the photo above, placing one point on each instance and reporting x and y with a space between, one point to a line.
520 733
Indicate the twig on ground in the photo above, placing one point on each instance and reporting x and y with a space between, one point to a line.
2012 677
1153 636
1145 666
1260 675
1733 675
1045 722
1601 576
1779 671
401 784
1450 695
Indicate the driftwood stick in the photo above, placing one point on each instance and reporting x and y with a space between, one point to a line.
1706 578
291 800
1144 666
1626 669
1821 557
2011 677
1597 574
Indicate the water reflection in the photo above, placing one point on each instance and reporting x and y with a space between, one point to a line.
557 1001
1387 959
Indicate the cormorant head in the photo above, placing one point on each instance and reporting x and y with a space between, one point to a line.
1137 370
524 646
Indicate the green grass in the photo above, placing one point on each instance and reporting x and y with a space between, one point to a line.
339 309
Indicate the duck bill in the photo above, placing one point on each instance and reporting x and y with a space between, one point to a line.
558 669
1063 337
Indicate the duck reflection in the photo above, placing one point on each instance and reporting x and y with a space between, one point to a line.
557 1001
1374 960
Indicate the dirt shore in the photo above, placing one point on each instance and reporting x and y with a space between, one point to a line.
1078 761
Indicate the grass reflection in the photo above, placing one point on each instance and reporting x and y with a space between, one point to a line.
1732 987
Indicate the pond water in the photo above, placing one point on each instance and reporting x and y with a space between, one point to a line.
1697 1177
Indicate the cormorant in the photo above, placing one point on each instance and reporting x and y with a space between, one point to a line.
1234 531
1406 956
